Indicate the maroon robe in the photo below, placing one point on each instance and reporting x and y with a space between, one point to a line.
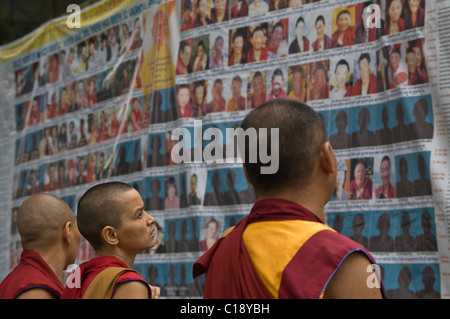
90 269
32 272
230 257
230 273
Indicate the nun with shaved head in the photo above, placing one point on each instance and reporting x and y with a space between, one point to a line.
50 239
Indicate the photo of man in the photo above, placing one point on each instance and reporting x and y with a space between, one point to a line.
277 85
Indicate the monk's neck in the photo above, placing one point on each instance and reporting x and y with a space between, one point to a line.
128 259
305 200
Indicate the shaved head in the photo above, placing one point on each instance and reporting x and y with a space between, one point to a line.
101 206
302 133
41 219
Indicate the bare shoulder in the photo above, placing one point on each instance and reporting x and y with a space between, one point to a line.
353 280
36 293
131 290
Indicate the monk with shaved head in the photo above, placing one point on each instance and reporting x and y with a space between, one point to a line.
282 248
112 218
50 240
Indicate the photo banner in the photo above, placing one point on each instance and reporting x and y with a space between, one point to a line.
99 103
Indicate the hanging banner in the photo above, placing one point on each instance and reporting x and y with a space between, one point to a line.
82 106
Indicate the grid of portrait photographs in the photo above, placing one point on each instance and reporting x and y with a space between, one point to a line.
400 231
295 34
82 118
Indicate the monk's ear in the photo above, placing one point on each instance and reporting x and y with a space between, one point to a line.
327 158
69 231
66 232
109 236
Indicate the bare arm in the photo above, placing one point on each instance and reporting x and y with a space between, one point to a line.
36 293
131 290
351 280
135 290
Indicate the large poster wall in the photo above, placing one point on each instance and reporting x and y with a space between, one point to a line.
100 103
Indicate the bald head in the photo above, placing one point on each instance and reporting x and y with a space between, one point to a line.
41 219
101 206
